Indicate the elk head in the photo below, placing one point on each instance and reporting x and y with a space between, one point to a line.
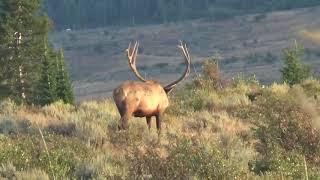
145 98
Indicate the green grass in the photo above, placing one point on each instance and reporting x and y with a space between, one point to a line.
4 91
209 132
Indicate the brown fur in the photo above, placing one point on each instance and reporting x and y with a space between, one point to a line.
140 99
146 98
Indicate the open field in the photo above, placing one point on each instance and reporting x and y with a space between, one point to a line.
98 63
235 117
208 133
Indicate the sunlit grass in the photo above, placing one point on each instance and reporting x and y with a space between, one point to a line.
83 141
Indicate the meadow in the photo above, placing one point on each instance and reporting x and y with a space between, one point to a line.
215 128
251 44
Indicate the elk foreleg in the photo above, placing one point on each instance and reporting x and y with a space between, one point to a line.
124 121
149 122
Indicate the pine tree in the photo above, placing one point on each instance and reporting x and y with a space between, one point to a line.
22 30
294 71
64 87
47 83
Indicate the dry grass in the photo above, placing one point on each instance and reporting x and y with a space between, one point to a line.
310 105
8 171
280 89
218 132
238 37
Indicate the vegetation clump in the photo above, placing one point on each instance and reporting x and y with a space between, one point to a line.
294 71
214 129
216 133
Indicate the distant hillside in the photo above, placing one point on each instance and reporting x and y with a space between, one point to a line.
82 14
248 44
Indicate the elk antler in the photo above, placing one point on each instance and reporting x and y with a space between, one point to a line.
132 58
187 58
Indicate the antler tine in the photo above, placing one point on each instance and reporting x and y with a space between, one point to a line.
128 49
135 52
187 52
183 47
187 58
132 57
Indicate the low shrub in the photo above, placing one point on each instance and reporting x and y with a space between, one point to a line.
8 171
285 132
209 132
8 107
311 88
29 152
184 159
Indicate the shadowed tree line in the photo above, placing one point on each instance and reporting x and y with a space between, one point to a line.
80 14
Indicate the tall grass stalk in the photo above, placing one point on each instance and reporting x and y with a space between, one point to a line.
47 151
305 167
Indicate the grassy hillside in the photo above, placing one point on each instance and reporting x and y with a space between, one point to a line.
210 132
250 44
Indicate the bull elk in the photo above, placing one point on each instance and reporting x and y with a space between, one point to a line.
147 98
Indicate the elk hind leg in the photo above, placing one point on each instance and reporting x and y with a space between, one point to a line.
158 120
149 122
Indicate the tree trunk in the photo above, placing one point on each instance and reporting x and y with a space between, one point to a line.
23 93
18 38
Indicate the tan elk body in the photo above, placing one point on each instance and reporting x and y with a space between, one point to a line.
144 98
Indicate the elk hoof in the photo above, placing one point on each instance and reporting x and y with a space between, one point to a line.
119 128
122 127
